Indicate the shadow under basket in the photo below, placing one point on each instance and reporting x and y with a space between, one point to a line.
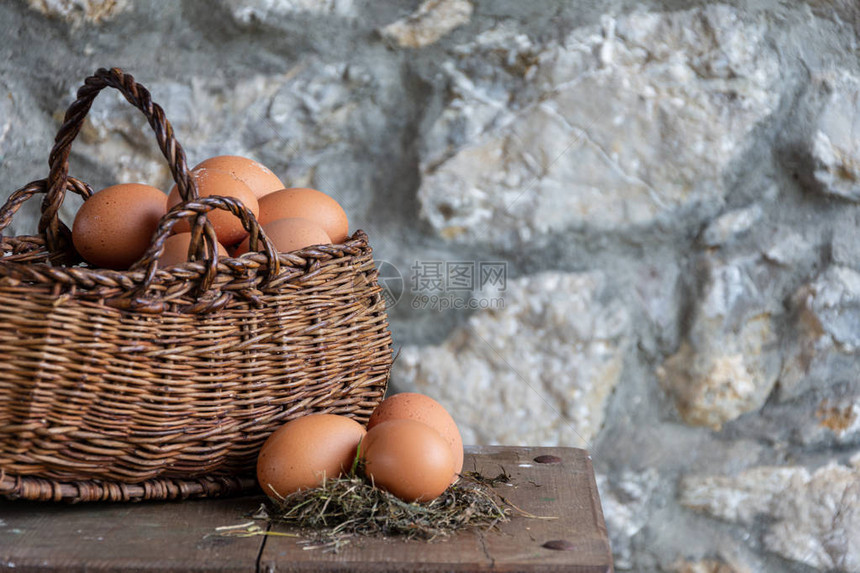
152 383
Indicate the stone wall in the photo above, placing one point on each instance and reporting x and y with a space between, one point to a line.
671 191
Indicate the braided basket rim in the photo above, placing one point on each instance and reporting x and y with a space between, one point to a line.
87 277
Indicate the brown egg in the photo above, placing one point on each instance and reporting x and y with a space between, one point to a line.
176 250
306 204
114 227
290 235
407 458
305 451
227 226
259 178
413 406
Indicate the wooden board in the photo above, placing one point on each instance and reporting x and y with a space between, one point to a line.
181 536
167 536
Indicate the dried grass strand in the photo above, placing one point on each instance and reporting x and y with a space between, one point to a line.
349 506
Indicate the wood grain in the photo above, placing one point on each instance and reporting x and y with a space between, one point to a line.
564 490
180 536
157 536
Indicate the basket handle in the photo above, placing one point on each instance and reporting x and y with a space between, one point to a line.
49 224
203 233
22 195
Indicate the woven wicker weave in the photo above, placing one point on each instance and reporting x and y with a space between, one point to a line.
162 384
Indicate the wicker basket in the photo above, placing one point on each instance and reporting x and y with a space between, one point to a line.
163 384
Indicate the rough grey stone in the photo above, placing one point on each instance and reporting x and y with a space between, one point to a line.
839 418
814 517
300 124
78 12
209 118
845 247
432 20
248 12
657 289
546 363
731 224
24 128
790 249
815 422
707 566
730 359
733 350
835 147
617 125
826 337
625 500
7 116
